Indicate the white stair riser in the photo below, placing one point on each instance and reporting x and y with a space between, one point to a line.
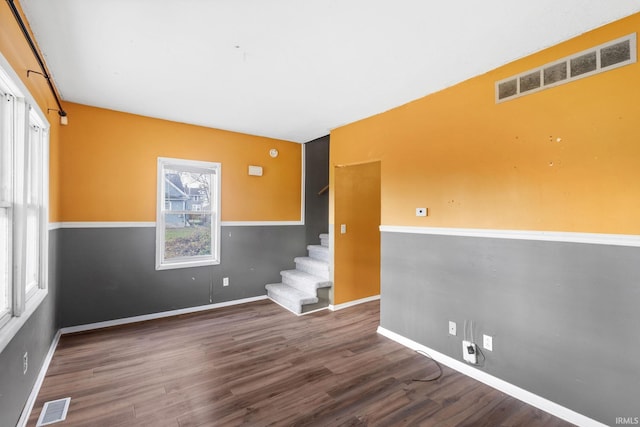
304 281
302 285
296 308
289 297
319 254
324 242
312 270
294 295
297 276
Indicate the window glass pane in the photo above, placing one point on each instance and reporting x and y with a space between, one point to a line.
4 262
187 235
183 190
33 250
6 103
33 186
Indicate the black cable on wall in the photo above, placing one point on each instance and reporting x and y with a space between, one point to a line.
32 45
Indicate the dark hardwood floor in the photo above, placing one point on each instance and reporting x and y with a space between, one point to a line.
257 365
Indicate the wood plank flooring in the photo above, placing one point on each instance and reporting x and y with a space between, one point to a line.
258 365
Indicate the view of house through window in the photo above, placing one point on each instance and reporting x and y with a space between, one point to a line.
188 220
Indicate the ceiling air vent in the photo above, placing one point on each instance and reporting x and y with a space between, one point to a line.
608 56
53 412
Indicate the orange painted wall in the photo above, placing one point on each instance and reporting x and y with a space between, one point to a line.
16 51
563 159
108 163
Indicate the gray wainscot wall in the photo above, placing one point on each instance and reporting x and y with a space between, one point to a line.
564 317
109 273
35 338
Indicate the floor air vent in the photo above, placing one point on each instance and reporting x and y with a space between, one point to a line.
54 412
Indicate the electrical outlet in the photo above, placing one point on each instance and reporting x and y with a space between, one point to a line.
225 281
25 363
452 328
470 352
487 342
421 211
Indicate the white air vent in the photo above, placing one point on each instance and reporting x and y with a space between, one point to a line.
608 56
54 412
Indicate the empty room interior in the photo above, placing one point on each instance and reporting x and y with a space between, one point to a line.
319 213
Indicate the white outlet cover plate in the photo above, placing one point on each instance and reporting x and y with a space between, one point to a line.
487 342
452 328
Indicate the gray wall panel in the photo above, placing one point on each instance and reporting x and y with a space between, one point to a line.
109 273
317 177
35 337
564 316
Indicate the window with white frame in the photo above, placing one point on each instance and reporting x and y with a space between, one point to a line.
24 139
188 213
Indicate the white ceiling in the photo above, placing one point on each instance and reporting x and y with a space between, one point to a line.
289 69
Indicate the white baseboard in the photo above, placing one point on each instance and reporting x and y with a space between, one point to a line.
135 319
505 387
352 303
28 407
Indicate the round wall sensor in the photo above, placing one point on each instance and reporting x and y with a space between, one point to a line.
273 153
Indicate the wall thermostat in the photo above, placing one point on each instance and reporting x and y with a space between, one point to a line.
255 170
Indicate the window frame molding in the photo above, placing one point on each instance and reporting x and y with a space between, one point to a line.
23 305
215 212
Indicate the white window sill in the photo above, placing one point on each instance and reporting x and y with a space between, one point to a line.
14 325
186 264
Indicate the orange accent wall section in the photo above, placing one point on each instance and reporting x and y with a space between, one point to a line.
563 159
16 51
109 159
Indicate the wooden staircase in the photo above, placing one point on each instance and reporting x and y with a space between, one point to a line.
307 287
